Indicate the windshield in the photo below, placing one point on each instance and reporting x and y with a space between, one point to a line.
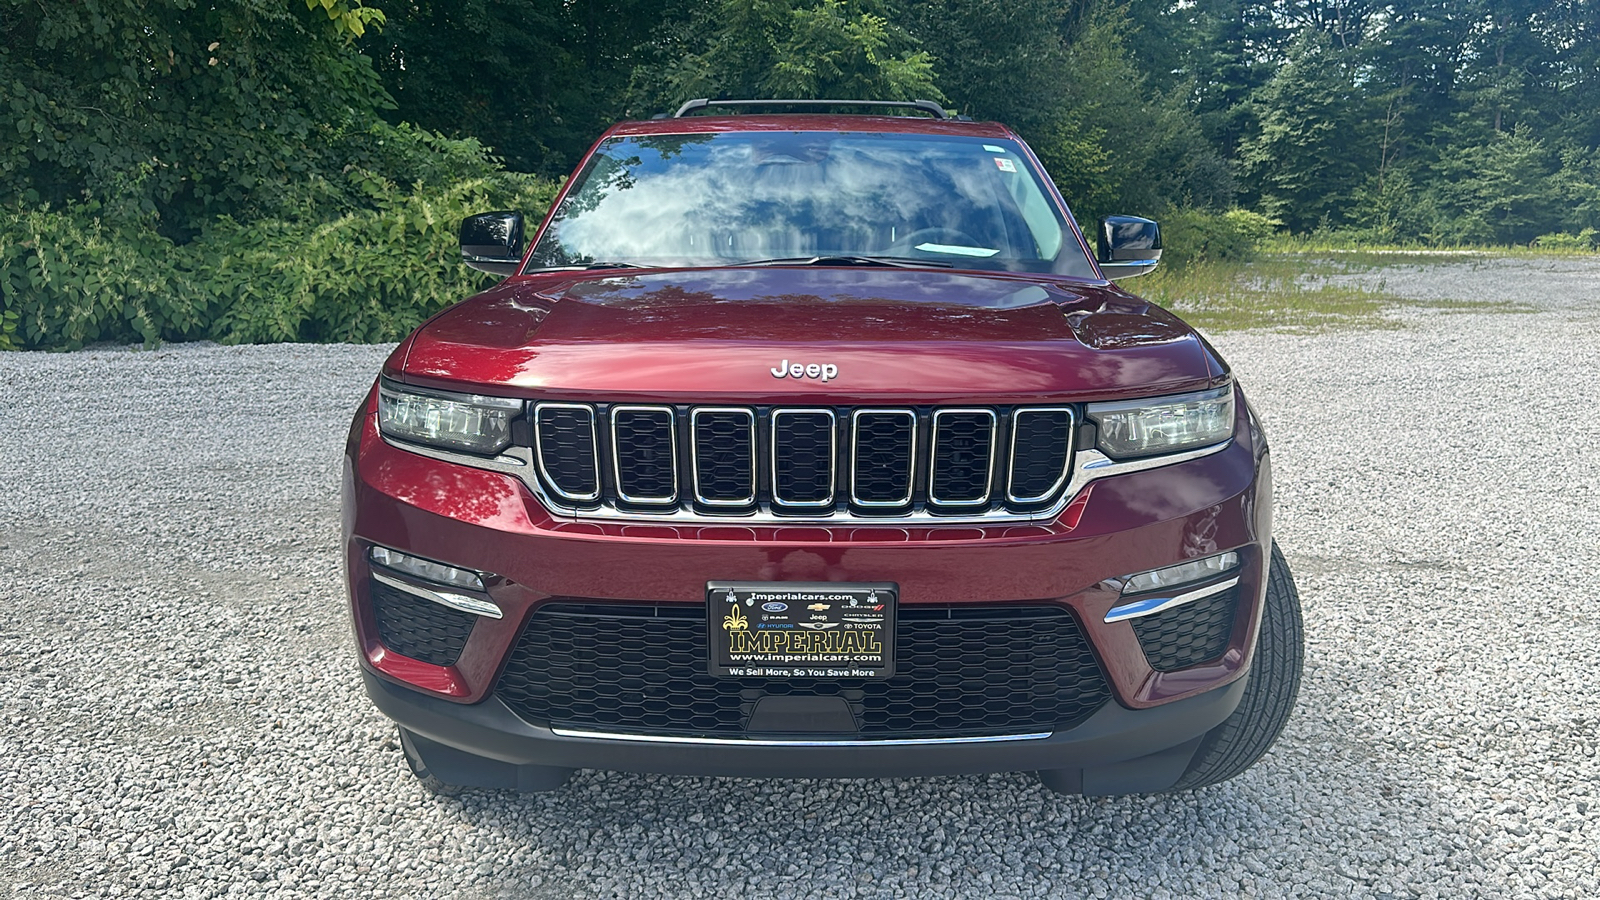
727 199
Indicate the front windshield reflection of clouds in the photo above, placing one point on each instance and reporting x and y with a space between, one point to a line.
716 199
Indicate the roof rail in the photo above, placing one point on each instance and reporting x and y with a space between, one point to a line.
927 106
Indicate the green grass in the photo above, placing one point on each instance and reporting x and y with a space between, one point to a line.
1293 292
1327 245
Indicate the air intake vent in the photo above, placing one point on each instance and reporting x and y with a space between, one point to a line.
804 446
884 443
963 457
644 444
1041 452
724 457
776 464
566 450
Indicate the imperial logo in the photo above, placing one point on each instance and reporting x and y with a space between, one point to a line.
852 643
786 369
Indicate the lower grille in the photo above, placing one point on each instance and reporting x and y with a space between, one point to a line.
1190 634
959 672
418 628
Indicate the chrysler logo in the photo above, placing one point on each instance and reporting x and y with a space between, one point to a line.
786 369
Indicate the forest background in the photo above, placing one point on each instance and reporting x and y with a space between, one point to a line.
267 170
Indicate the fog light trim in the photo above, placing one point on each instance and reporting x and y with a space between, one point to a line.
1152 605
460 602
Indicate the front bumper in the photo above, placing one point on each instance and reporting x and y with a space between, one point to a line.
490 522
1117 751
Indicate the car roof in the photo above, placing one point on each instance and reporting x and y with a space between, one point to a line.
808 122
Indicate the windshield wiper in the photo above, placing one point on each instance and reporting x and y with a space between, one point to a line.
580 267
897 262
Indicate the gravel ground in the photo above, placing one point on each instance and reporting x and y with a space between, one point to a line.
181 714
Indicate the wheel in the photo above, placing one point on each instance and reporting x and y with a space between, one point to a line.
419 768
1269 696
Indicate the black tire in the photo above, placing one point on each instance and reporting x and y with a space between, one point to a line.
1269 696
419 768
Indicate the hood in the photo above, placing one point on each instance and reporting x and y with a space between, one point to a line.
857 335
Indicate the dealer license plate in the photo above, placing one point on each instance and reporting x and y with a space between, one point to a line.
785 629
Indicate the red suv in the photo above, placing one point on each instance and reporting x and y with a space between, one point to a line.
803 444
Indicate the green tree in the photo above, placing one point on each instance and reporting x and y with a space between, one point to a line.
1062 74
1309 154
1501 191
180 110
800 49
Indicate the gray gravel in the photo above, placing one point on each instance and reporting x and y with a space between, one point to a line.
181 717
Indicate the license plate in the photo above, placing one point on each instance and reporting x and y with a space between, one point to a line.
764 629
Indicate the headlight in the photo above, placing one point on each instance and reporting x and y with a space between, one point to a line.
1164 424
452 421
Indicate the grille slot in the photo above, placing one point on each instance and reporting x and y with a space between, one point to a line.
566 450
645 454
963 457
804 445
959 672
883 450
724 451
418 628
1041 452
1190 634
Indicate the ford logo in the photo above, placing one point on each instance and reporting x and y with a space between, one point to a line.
774 607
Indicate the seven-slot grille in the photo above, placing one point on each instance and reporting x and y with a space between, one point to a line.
803 461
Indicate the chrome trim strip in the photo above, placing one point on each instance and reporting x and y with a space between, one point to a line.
933 457
1088 466
1152 605
594 447
459 602
1066 458
672 448
694 454
400 387
855 457
774 742
833 459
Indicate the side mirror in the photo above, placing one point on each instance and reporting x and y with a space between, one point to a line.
492 242
1129 246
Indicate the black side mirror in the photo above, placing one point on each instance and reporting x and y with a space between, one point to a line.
492 242
1129 246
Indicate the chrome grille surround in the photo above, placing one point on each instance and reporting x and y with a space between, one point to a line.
774 444
1087 466
539 450
617 413
935 457
903 499
1066 457
700 495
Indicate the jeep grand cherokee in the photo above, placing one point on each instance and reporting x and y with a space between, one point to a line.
805 444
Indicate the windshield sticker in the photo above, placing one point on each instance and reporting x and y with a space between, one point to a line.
1004 164
956 250
993 149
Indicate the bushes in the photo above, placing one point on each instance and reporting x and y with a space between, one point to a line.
75 275
1192 235
1582 242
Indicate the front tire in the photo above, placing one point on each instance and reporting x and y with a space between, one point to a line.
1269 696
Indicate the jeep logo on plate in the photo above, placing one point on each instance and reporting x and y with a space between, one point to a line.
823 371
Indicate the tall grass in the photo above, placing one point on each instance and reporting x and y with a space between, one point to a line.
1283 292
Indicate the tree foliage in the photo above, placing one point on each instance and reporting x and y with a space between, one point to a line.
289 169
178 109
